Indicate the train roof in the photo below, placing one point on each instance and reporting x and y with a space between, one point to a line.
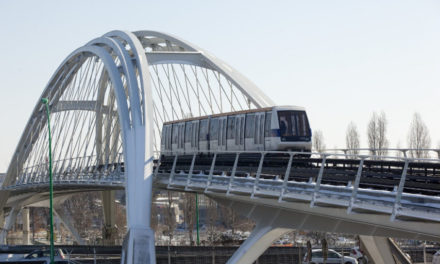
281 107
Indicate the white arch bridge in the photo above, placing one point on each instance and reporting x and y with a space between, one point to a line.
108 100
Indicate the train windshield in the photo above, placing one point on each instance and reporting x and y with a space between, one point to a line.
294 125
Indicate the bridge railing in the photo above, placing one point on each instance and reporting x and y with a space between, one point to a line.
87 169
430 153
399 186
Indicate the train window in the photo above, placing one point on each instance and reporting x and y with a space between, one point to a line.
203 135
242 131
181 135
231 127
237 130
213 130
175 134
195 137
268 124
293 124
164 133
261 138
224 132
250 119
169 135
188 131
165 136
302 124
257 126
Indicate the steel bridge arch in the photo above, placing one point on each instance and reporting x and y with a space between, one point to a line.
125 57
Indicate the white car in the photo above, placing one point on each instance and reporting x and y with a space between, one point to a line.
332 257
44 255
358 254
436 258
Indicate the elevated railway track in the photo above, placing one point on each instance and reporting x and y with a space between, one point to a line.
420 177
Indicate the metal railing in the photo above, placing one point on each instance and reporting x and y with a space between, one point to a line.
283 187
88 169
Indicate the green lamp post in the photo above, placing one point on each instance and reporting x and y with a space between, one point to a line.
197 219
45 101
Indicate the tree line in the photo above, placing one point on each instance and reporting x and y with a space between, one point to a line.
418 137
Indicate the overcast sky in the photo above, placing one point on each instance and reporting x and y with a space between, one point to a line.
341 60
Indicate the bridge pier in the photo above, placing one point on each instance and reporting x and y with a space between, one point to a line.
272 222
110 231
269 227
10 220
26 227
66 221
382 250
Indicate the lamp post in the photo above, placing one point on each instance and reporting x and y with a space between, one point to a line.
45 101
197 219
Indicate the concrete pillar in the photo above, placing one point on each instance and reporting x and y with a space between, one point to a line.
110 231
269 227
10 220
260 239
382 250
65 218
26 228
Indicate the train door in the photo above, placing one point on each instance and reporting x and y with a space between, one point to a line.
249 132
230 133
269 137
187 138
163 138
239 132
175 138
204 136
222 133
165 145
181 138
259 131
213 134
195 136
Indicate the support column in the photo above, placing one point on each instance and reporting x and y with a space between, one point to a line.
65 218
10 220
382 250
261 238
110 231
269 227
25 219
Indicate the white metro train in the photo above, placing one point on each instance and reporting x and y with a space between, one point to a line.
272 128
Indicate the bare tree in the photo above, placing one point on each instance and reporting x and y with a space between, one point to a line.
189 212
318 141
438 150
376 131
399 153
170 218
211 220
418 138
352 138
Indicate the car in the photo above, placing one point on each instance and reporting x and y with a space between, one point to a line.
44 255
358 254
332 257
436 258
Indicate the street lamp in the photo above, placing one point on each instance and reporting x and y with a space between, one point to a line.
45 101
